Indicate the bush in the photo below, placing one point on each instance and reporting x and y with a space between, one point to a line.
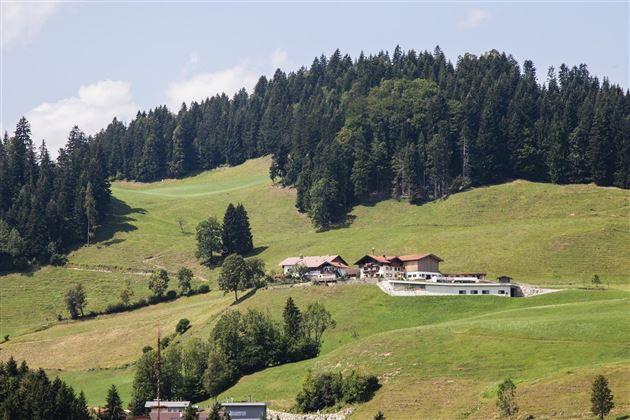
359 388
146 349
182 326
114 308
204 288
329 389
171 294
164 342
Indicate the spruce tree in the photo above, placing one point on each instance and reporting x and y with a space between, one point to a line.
230 230
601 397
243 235
113 404
292 320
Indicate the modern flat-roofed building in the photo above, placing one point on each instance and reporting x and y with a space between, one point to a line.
246 410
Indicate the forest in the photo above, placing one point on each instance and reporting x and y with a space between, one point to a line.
47 206
410 125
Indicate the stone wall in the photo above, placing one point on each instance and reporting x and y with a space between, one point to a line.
278 415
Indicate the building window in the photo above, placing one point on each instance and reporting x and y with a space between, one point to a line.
485 292
462 292
474 292
501 292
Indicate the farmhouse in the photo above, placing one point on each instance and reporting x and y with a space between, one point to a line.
421 273
320 268
418 266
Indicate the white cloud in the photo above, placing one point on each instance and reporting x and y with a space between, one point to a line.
21 21
94 107
475 17
228 81
204 85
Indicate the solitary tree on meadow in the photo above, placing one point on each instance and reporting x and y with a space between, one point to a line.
596 280
506 399
158 282
76 300
238 274
126 293
316 320
184 275
601 397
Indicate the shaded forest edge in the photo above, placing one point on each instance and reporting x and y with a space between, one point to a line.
411 125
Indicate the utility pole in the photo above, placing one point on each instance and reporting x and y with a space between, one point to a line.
159 370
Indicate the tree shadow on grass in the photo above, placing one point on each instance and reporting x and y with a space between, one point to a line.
256 251
245 297
118 219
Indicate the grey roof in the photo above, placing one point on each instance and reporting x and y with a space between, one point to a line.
166 404
309 261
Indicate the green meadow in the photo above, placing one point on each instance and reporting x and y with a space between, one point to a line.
440 357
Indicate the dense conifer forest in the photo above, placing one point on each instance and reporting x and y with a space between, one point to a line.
407 125
46 207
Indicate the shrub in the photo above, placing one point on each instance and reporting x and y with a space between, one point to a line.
204 288
164 342
359 388
146 349
171 294
328 389
182 326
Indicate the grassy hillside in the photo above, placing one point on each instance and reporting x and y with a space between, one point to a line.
431 352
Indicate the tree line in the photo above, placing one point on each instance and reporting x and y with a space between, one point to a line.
239 344
407 125
410 124
47 207
29 394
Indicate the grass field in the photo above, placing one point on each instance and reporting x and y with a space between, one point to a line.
443 352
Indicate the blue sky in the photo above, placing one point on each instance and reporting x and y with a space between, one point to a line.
84 63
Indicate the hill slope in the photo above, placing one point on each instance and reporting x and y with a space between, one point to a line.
538 233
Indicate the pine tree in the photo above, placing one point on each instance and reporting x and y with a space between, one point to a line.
230 230
243 233
113 404
292 320
601 397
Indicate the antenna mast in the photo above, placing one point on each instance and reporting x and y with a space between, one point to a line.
159 370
